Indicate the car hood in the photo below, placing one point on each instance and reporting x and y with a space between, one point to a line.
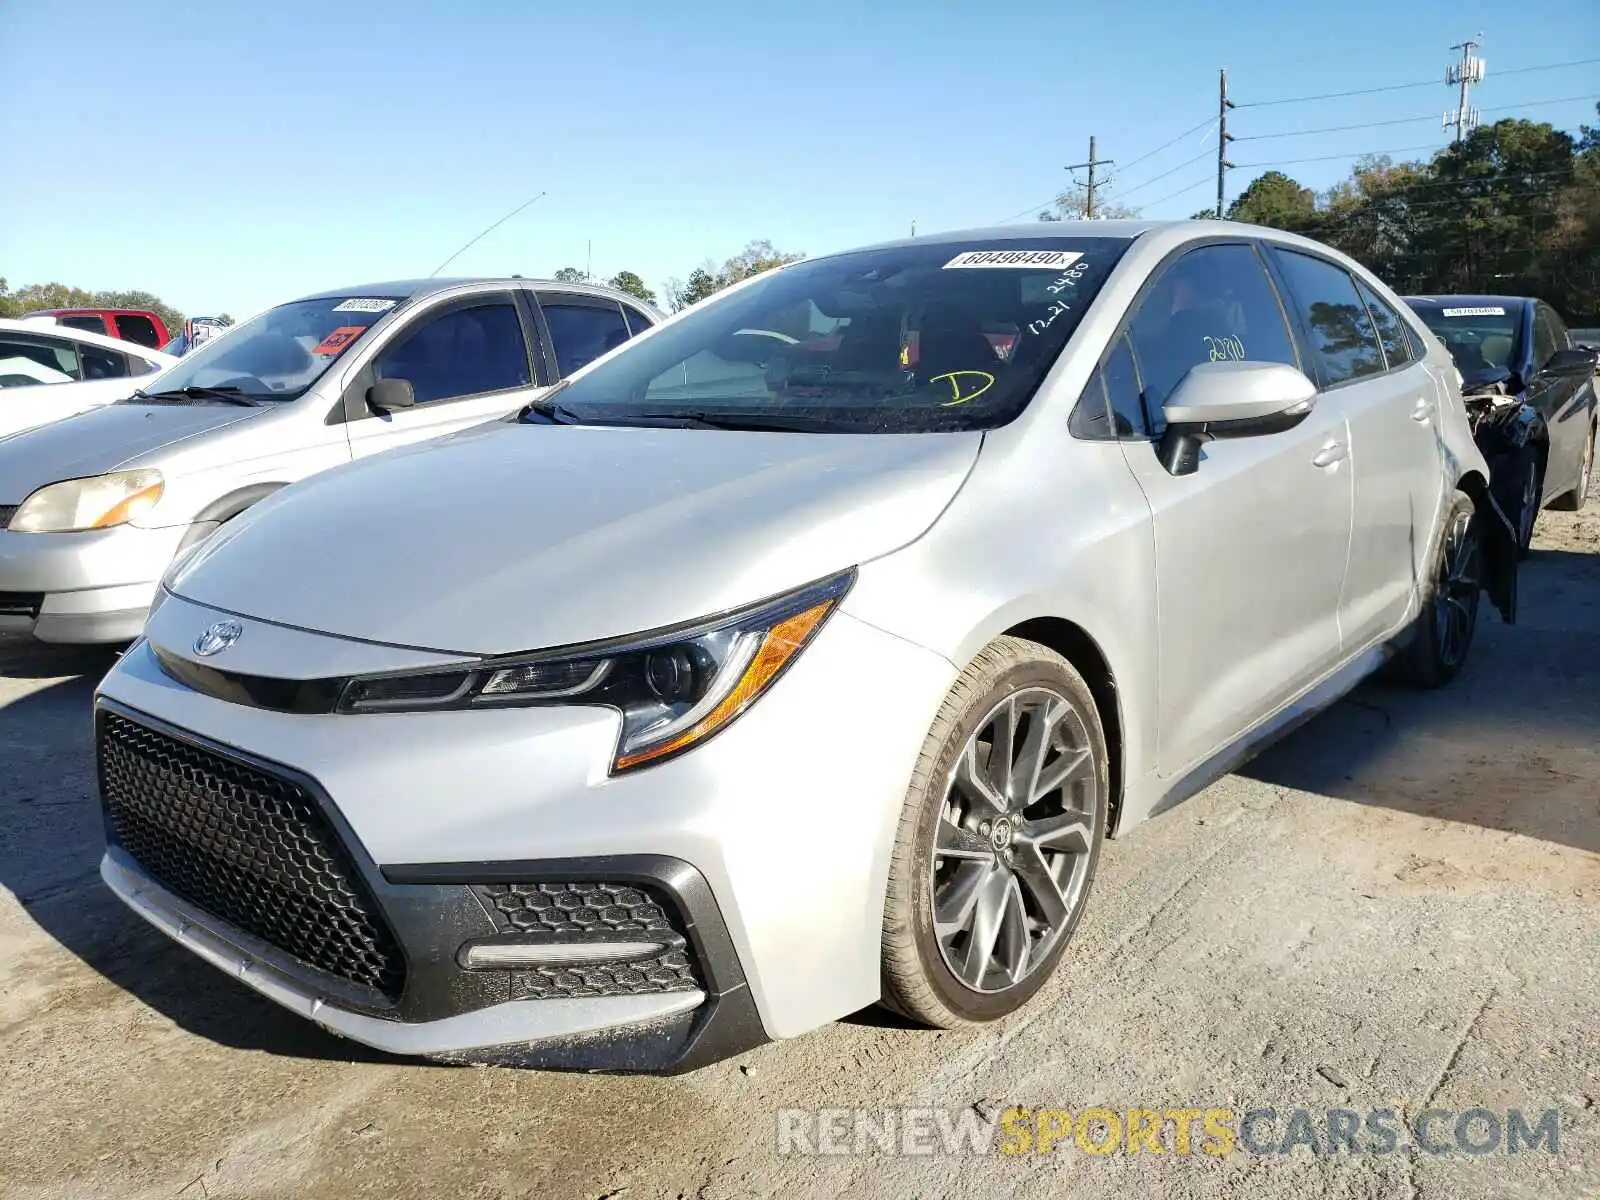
511 537
96 441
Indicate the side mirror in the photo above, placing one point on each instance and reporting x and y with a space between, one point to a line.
1574 360
1228 400
387 395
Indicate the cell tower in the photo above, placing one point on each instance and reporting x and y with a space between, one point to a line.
1464 74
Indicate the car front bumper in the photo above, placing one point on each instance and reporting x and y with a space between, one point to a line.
768 846
93 587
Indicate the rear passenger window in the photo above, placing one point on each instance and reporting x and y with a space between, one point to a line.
139 330
102 364
637 321
91 324
583 332
1341 332
1392 335
1214 304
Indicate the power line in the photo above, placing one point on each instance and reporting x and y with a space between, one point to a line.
1206 153
1400 87
1173 195
1284 162
1258 137
1168 144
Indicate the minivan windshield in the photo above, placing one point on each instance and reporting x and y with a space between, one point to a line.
913 337
279 354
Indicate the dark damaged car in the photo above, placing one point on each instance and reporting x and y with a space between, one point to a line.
1530 394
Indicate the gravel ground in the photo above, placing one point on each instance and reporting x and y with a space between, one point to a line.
1396 907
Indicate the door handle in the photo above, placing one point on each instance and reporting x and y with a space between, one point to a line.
1331 453
1423 411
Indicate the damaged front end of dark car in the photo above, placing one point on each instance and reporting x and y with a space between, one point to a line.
1509 433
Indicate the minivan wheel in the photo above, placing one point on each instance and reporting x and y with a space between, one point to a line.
1449 617
1574 500
998 840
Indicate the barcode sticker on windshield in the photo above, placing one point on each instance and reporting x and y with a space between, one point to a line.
1474 312
359 305
1037 260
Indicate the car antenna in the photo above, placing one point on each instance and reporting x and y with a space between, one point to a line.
484 234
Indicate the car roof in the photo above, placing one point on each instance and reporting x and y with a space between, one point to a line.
40 325
417 289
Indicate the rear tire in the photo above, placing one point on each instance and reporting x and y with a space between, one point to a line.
1443 632
1004 847
1574 500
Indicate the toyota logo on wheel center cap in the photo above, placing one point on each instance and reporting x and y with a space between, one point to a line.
218 638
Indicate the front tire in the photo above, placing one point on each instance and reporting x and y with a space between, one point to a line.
1443 633
998 840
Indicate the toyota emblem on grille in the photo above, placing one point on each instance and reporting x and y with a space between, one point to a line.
218 638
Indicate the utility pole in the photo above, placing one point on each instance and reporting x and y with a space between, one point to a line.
1463 75
1093 162
1223 138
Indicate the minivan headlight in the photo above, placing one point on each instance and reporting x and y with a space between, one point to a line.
99 502
675 688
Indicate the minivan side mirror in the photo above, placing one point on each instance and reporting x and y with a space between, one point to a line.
1229 400
1573 360
389 394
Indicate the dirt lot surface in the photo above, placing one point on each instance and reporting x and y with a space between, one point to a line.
1399 906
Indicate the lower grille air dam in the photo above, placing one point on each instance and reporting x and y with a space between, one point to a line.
250 847
578 912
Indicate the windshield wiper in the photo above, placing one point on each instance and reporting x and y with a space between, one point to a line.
228 395
700 418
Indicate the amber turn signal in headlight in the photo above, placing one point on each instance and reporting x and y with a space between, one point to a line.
675 688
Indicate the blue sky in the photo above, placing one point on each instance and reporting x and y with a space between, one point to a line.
229 156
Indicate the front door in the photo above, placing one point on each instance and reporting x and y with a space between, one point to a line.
1251 547
468 361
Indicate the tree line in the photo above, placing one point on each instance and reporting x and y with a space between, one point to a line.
35 296
705 280
1512 209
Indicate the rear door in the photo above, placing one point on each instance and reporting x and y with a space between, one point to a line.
1365 370
469 360
1250 548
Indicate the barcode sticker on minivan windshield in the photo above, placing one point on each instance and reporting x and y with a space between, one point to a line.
360 305
1474 312
1038 260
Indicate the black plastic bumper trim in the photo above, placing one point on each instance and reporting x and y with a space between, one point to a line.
727 1024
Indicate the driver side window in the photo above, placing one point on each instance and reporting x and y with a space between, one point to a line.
1214 304
464 352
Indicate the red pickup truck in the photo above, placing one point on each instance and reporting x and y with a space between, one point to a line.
135 325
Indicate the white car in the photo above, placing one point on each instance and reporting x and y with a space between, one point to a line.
48 371
745 681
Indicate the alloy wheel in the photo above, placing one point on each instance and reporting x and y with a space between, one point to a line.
1011 854
1458 590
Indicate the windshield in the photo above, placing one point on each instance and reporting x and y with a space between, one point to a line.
914 337
1481 338
279 354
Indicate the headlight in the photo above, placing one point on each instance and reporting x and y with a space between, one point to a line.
675 688
79 504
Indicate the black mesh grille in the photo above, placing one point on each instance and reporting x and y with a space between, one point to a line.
588 912
246 846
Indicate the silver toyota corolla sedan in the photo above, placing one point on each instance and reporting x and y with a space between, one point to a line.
801 654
